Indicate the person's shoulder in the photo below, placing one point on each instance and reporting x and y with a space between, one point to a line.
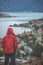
4 37
14 37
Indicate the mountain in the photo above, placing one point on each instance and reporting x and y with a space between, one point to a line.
5 15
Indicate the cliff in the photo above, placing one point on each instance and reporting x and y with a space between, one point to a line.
5 15
30 23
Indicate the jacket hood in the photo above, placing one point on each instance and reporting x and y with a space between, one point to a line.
10 31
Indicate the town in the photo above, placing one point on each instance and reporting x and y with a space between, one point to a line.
30 43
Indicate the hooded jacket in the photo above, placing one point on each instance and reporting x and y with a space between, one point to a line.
9 42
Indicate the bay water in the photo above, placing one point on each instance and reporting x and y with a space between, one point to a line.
19 18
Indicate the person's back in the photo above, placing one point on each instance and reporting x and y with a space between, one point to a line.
9 44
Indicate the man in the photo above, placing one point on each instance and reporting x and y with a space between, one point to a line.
9 45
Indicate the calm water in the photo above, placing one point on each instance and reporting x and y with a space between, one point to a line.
20 18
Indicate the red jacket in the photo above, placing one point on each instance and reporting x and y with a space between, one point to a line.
9 42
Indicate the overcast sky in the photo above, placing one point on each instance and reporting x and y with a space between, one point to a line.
21 5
